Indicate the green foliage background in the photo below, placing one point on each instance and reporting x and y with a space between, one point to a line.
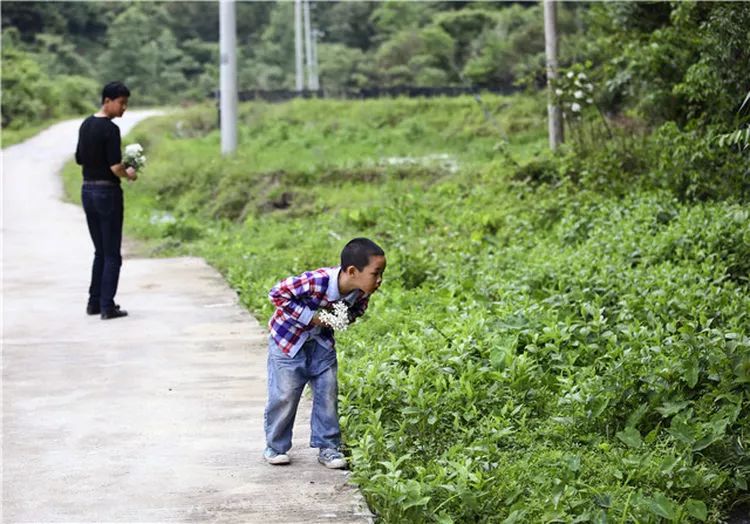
167 52
678 62
540 351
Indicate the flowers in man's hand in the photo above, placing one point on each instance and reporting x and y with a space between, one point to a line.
337 318
133 156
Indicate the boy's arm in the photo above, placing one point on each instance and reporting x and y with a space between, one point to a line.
287 295
358 308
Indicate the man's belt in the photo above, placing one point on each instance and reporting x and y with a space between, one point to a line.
99 183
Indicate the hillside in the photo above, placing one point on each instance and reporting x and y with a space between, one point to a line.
550 344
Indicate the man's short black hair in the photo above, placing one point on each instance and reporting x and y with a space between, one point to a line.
115 90
358 251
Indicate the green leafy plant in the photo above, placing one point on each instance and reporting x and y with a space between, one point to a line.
543 349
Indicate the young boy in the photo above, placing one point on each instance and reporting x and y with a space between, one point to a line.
301 348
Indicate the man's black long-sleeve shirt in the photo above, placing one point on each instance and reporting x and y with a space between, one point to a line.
98 148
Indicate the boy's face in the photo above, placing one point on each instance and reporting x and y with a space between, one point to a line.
115 108
371 276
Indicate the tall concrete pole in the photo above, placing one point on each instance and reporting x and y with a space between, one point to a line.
315 81
298 65
554 114
312 79
228 76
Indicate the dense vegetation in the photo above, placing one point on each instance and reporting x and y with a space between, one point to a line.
545 347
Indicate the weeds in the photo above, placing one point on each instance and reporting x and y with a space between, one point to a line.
543 349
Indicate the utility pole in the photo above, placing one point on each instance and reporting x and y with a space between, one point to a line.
298 64
554 114
315 35
312 71
228 76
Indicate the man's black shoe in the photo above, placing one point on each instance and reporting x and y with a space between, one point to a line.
92 309
114 313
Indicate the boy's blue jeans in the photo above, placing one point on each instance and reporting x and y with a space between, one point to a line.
287 377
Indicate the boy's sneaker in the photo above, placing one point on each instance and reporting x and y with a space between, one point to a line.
331 458
275 458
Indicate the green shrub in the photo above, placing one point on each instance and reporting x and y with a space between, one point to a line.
693 165
564 341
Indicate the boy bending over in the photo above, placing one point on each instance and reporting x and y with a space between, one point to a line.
301 348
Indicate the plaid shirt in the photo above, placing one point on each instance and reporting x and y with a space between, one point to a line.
296 300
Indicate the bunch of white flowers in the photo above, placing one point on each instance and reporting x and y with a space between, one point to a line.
133 156
338 318
574 91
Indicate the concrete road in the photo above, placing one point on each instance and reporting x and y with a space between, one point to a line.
156 417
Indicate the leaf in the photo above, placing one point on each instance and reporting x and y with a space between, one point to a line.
500 358
636 416
630 436
516 516
681 431
670 408
705 442
574 463
747 98
668 465
603 500
740 482
697 509
650 437
661 506
419 502
691 372
598 404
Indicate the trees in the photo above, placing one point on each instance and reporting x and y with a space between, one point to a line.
681 62
665 61
30 94
343 67
143 52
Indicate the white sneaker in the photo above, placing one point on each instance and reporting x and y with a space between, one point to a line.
275 458
332 458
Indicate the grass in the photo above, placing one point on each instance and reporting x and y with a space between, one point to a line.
9 137
539 352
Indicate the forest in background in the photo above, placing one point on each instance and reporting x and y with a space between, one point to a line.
632 74
663 61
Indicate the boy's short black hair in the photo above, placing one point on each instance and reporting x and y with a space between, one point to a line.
358 251
115 90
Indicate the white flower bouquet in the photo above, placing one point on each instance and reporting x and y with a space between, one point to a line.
133 156
337 318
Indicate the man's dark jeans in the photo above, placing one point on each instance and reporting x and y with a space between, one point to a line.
104 213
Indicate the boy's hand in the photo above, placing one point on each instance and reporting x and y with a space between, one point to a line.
316 321
131 173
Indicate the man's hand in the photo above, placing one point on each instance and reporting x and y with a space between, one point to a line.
131 173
